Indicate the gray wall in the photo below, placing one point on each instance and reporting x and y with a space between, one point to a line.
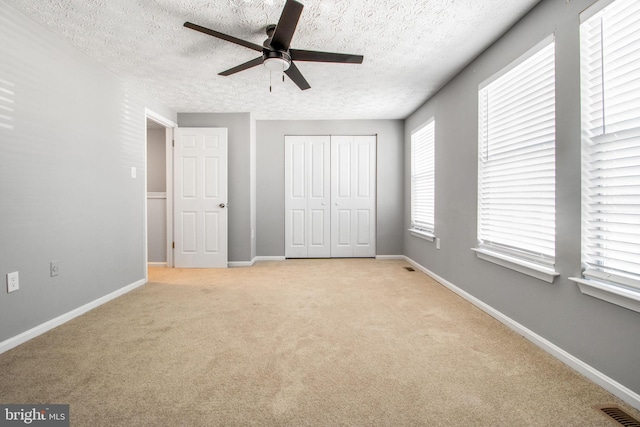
239 158
270 178
157 230
603 335
74 133
156 160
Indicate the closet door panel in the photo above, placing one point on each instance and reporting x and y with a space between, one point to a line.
307 187
353 196
295 197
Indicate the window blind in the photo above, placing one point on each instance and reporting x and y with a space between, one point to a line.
423 178
610 77
516 164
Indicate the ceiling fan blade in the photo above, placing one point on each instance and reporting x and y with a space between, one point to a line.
315 56
286 25
242 67
294 74
224 36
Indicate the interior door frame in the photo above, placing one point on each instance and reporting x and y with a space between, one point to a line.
169 126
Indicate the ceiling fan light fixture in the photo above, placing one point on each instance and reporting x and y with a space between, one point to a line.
276 64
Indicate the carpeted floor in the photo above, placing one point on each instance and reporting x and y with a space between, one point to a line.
338 342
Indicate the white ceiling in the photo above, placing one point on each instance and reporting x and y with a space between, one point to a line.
411 48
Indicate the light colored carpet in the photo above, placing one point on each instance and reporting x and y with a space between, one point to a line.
300 342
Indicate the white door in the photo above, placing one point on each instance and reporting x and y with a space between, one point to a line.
353 196
200 197
307 199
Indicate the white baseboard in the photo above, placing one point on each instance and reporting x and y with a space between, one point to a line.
236 264
156 264
270 258
253 261
12 342
609 384
281 258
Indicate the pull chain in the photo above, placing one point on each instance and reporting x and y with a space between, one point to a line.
271 79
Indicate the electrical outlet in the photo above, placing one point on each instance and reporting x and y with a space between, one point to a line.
13 282
53 268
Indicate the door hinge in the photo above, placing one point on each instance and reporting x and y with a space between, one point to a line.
173 142
173 245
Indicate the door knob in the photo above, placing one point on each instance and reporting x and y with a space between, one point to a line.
222 205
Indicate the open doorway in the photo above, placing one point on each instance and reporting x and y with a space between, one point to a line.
156 195
158 212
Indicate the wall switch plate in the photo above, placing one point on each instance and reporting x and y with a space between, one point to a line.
13 282
437 243
53 268
133 171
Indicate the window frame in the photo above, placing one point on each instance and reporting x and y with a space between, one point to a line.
518 259
603 132
425 231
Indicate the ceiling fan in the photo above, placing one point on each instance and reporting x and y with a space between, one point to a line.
276 55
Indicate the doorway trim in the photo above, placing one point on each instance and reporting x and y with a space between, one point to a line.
169 126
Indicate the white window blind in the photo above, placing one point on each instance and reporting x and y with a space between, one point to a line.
423 178
610 77
516 159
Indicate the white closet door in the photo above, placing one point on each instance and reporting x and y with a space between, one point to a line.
307 199
353 196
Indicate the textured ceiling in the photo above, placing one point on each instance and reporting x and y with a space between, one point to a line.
411 48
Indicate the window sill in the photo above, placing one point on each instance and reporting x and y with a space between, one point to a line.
524 267
614 294
422 234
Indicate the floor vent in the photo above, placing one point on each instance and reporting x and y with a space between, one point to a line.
619 416
409 269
